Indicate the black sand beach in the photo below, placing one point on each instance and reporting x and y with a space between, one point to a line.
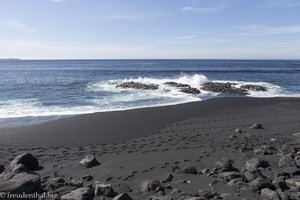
154 143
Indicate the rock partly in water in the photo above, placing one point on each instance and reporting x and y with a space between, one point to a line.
216 86
89 161
224 88
235 91
190 90
136 85
185 88
83 193
253 87
179 85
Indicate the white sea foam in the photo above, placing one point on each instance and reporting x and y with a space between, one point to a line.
116 98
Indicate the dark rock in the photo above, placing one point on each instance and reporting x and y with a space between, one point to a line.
266 150
256 126
237 183
235 91
204 171
123 196
20 182
216 86
207 194
179 85
168 178
268 194
228 176
287 161
1 168
89 161
238 130
294 195
14 169
245 148
74 183
164 197
224 88
233 137
122 187
282 175
280 184
87 177
250 176
253 164
297 161
292 171
253 87
27 160
190 90
224 165
140 86
56 183
188 170
260 183
294 183
283 195
148 186
104 190
83 193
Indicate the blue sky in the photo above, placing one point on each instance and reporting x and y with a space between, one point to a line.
58 29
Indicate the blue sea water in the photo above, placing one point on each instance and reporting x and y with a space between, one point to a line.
40 90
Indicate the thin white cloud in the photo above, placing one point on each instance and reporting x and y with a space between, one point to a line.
267 30
16 25
185 37
131 16
201 10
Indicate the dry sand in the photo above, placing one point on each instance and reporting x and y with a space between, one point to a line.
150 143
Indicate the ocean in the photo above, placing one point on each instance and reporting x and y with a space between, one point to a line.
35 91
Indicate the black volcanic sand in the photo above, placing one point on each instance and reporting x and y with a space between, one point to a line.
146 144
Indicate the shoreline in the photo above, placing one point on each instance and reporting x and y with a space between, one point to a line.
199 150
109 127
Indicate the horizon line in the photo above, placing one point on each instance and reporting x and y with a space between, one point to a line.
66 59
